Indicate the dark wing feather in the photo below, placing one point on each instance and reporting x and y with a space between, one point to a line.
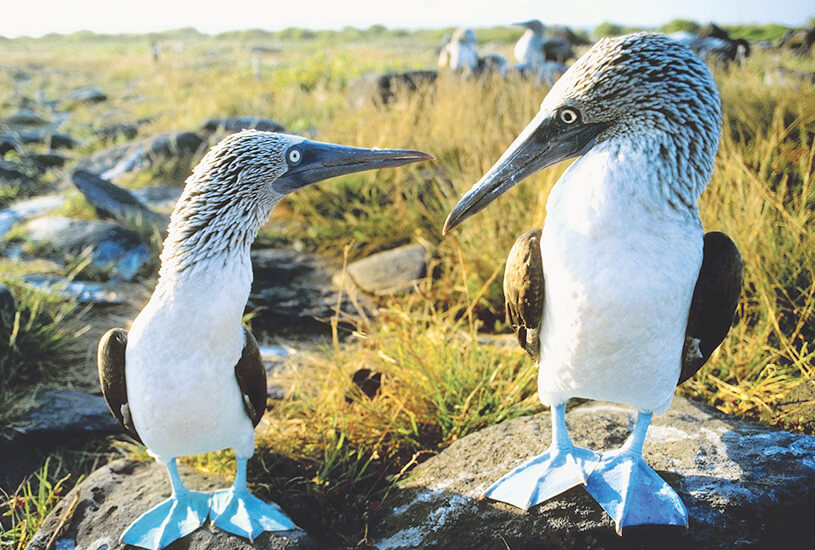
714 302
524 291
110 362
251 375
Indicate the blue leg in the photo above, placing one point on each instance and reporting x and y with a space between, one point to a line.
181 514
560 468
237 511
631 491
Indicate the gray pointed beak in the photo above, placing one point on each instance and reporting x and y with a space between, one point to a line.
544 142
319 161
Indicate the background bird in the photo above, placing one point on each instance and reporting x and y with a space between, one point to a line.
545 57
460 54
621 295
188 378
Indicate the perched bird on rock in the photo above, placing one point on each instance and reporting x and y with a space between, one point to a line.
188 378
621 295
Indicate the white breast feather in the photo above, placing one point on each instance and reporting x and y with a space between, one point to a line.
620 265
180 361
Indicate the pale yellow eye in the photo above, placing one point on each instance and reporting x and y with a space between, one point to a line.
294 156
568 116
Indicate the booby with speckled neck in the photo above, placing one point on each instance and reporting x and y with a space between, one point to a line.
621 295
188 378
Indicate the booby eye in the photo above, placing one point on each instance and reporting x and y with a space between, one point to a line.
568 116
295 155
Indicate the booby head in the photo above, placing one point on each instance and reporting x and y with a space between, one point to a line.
533 25
645 88
232 190
464 36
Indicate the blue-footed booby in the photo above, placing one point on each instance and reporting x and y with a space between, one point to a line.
621 295
529 47
460 54
188 378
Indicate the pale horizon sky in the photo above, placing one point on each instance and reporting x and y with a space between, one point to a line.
36 18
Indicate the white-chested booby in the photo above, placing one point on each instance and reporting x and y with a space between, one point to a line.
188 378
621 295
460 54
529 47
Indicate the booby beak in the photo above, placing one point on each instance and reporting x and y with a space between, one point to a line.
544 142
318 161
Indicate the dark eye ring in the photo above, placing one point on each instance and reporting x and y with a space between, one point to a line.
568 115
295 156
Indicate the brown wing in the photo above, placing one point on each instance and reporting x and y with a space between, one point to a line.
110 362
251 375
523 290
714 302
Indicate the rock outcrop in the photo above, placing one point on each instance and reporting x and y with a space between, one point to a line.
94 514
744 486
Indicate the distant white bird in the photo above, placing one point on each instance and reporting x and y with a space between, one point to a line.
460 54
620 296
188 378
529 47
544 57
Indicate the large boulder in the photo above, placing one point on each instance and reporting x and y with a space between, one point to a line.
97 511
744 486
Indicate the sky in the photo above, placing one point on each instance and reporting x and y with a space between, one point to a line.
38 17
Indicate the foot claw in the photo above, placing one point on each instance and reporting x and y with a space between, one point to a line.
172 519
632 493
544 476
241 513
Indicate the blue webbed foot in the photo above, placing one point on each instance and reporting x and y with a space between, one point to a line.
630 491
239 512
544 476
560 468
172 519
178 516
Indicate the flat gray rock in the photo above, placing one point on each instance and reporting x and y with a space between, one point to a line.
111 246
293 290
79 291
110 200
55 140
230 125
86 95
27 209
94 514
25 117
390 271
115 162
63 415
744 486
